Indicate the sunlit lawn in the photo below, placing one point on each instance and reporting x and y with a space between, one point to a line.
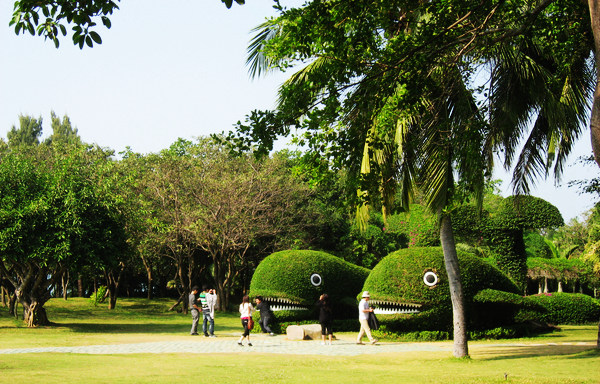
562 357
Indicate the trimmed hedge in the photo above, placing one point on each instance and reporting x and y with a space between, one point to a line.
399 277
567 308
287 274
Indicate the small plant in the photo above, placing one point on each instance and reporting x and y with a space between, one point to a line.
99 296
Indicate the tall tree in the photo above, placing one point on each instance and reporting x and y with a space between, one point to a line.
62 131
412 67
28 133
58 14
53 216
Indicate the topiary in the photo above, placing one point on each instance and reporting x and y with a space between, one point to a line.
567 308
414 280
293 280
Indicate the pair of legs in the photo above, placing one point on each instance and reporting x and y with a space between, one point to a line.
195 321
326 330
264 324
246 334
364 328
208 322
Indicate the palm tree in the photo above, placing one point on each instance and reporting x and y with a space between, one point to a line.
430 139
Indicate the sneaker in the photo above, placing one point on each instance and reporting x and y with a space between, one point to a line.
271 334
206 335
322 343
240 344
249 344
213 335
360 343
374 341
194 334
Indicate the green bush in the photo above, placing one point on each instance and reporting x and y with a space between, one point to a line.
287 275
568 308
399 278
99 296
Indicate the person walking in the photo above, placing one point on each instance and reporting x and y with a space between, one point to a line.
208 321
266 315
193 305
246 310
363 316
325 318
211 299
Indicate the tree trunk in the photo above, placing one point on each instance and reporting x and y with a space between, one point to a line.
594 6
79 285
12 305
35 315
540 288
65 284
112 286
546 285
148 268
454 281
560 286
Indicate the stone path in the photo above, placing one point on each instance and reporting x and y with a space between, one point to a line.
264 344
261 344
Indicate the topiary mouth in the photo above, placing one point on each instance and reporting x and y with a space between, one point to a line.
281 304
394 308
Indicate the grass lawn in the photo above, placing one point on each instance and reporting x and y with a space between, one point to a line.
563 357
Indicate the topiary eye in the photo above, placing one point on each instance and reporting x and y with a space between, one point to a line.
315 279
430 279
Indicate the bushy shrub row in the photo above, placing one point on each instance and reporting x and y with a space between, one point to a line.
566 308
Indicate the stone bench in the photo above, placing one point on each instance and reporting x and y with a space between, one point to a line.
303 332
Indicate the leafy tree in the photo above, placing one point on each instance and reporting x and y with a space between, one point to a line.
28 133
53 215
58 14
62 131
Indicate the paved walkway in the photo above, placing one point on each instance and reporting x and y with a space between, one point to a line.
261 344
264 344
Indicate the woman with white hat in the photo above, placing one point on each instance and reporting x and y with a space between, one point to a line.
363 315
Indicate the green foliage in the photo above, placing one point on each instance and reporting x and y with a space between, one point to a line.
287 275
568 308
527 212
28 133
99 296
399 278
536 246
418 225
366 247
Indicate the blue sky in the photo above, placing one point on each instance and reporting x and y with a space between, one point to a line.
168 69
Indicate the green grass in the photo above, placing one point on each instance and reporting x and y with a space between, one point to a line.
135 320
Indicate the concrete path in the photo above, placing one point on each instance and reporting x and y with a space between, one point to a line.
228 344
265 344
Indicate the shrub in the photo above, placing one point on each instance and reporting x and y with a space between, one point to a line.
568 308
287 275
99 296
399 277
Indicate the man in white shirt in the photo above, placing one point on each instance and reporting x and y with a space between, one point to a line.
363 316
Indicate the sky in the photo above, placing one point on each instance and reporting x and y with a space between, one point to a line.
171 69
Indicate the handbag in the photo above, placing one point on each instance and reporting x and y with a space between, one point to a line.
250 323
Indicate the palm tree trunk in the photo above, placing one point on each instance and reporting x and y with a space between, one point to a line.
594 6
454 281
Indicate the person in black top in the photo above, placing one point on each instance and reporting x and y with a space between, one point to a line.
325 317
266 315
192 302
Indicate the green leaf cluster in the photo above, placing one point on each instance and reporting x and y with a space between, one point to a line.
568 308
287 274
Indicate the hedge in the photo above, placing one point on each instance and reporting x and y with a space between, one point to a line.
287 274
567 308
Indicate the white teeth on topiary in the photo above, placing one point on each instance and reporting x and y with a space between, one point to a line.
391 308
